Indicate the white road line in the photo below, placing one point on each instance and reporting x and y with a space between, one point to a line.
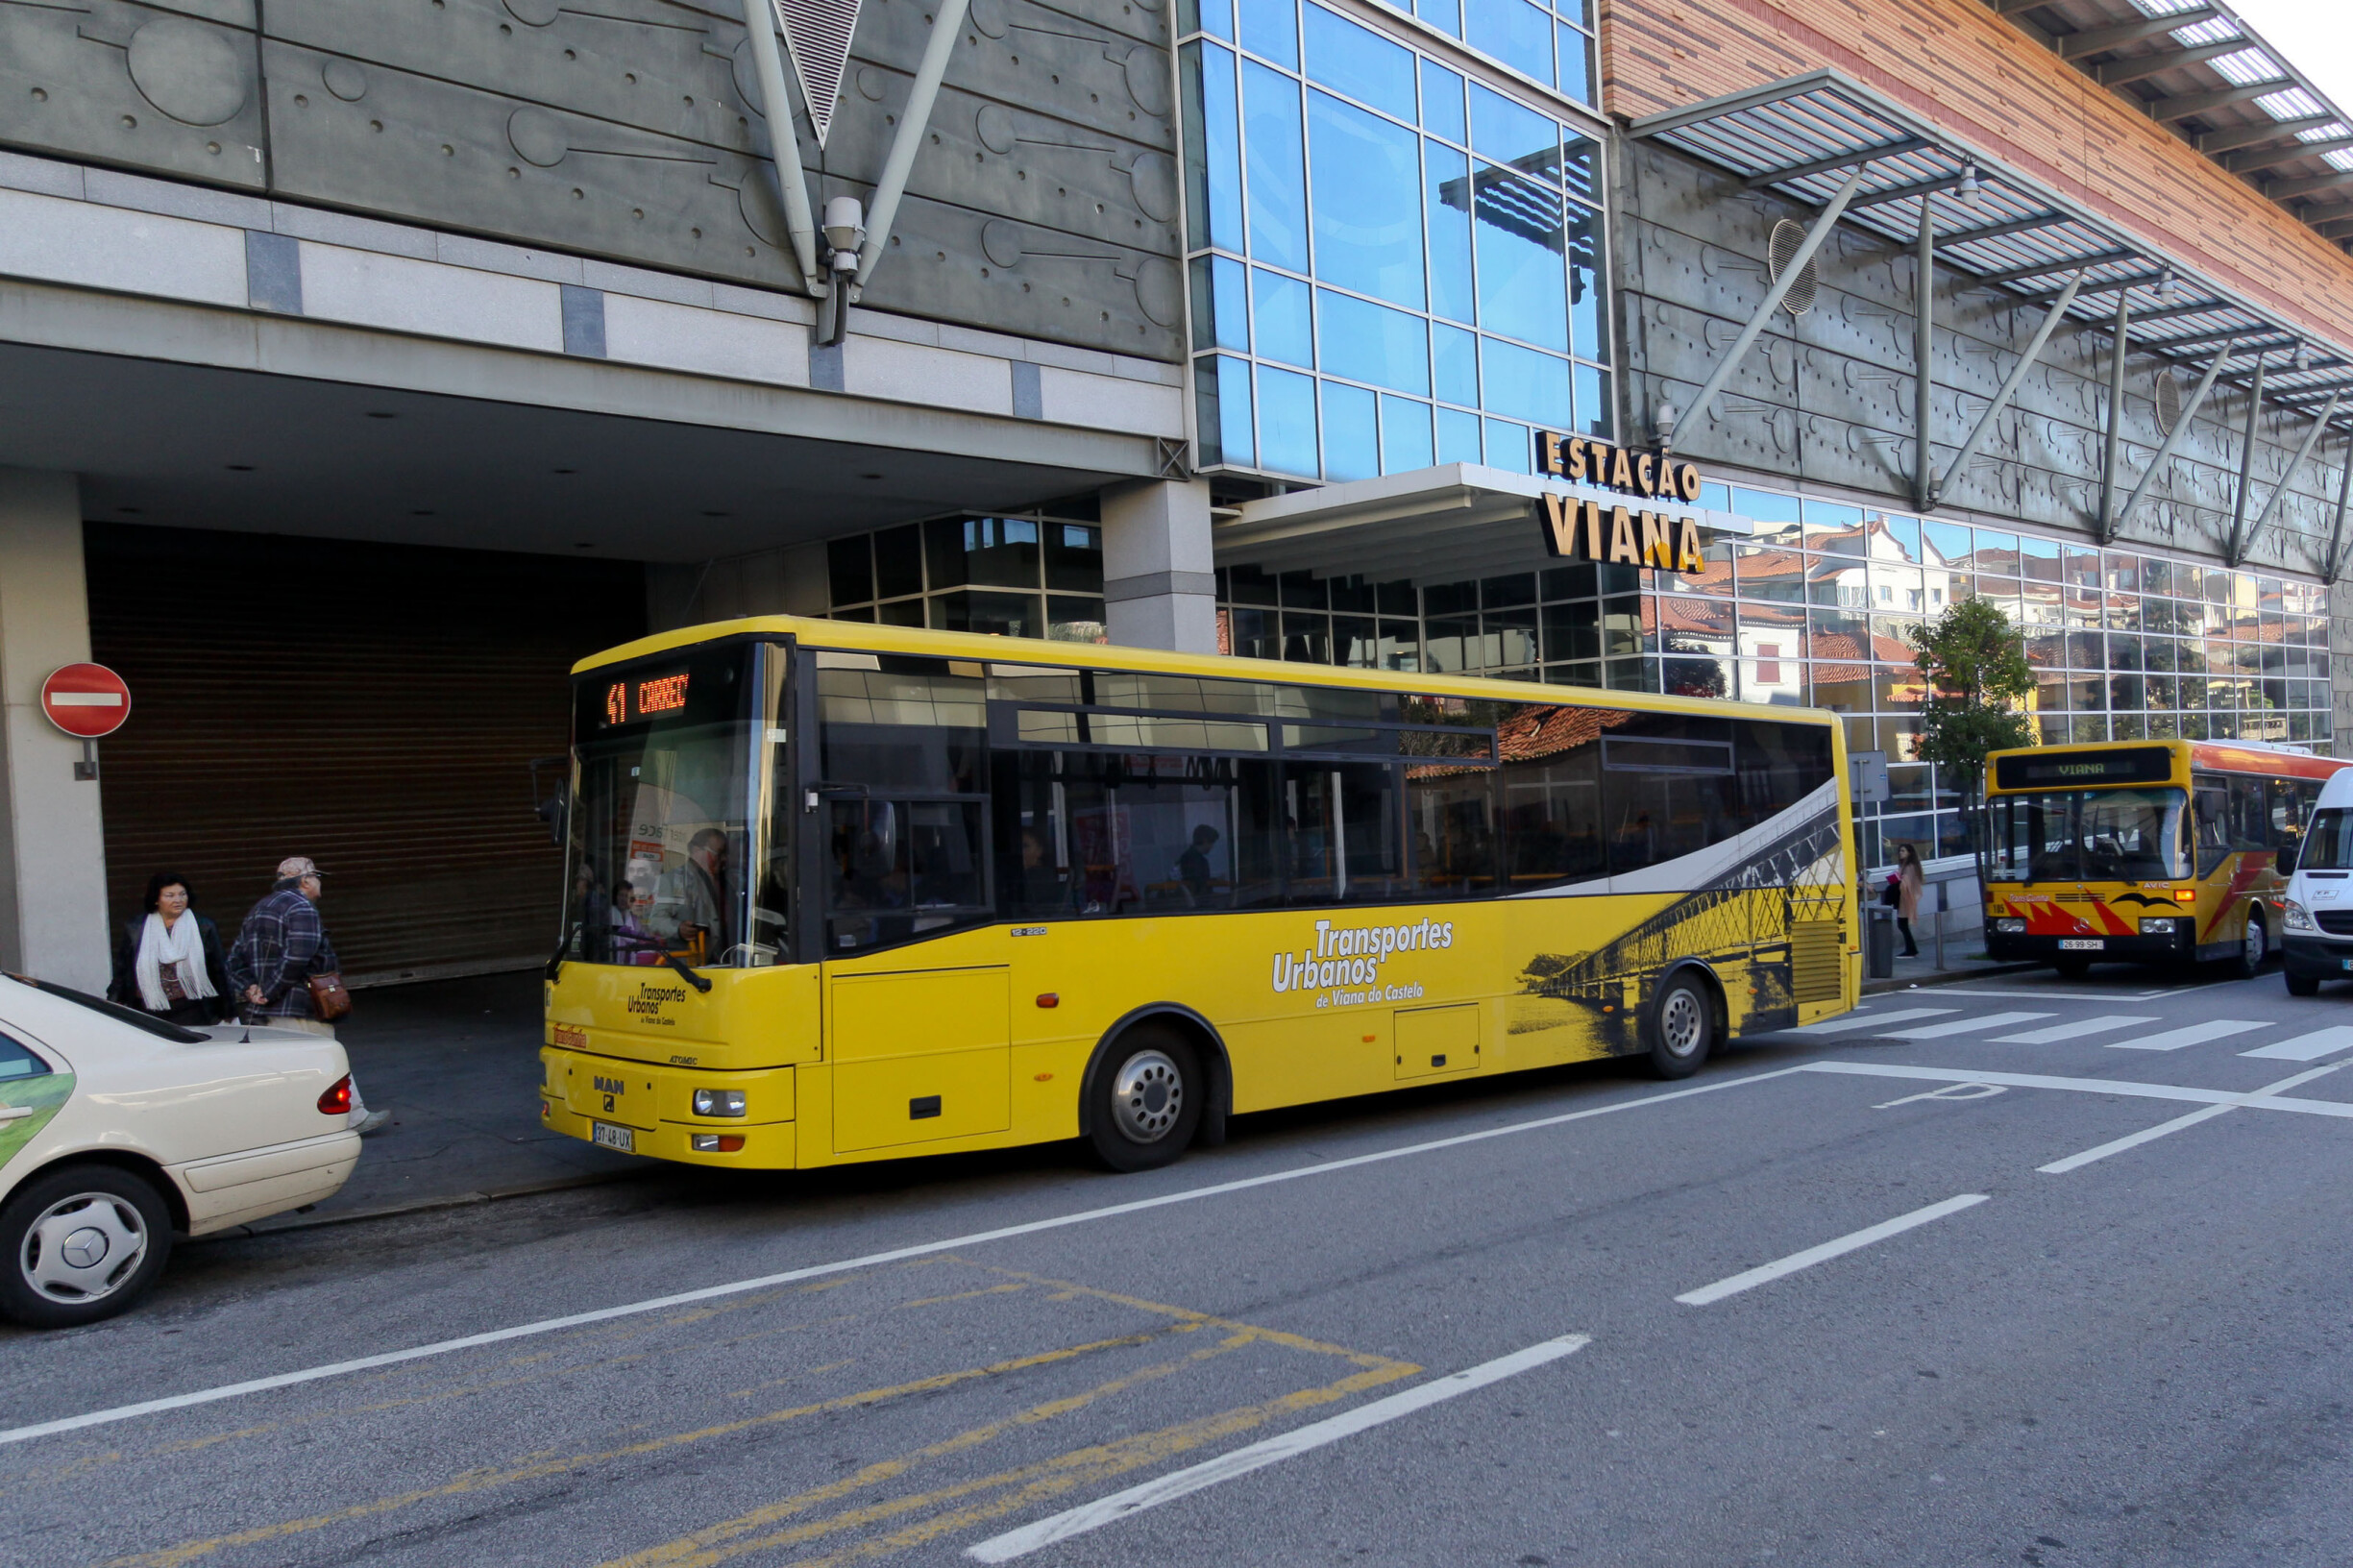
2133 1141
1872 1020
2194 1034
2309 1048
2075 1028
2149 1135
2253 1099
872 1259
1767 1273
2040 995
1962 1026
1078 1521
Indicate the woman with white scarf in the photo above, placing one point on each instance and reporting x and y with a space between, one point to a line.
168 962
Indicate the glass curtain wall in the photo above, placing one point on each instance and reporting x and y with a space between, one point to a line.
1816 608
1035 574
1392 265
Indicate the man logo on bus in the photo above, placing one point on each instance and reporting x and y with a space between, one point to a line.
1352 955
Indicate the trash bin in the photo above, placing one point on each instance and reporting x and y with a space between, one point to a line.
1878 943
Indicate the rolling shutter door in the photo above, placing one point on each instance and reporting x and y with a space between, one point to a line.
373 706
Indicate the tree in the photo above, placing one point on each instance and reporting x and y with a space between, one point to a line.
1974 662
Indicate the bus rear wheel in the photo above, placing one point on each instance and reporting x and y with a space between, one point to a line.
1146 1099
1682 1029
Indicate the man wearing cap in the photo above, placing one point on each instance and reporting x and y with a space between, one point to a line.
281 946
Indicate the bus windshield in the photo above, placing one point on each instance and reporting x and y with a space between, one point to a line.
2087 836
663 853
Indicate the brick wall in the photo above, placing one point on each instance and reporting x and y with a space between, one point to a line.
1957 64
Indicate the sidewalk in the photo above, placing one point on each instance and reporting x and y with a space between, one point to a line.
1964 960
456 1063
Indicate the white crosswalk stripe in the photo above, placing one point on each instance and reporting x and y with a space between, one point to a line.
2074 1029
2309 1048
1962 1026
1855 1023
2194 1034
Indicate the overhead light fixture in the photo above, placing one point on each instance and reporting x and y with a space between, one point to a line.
1971 193
1663 420
2303 356
2168 286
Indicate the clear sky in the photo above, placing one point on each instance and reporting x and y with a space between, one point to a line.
2315 36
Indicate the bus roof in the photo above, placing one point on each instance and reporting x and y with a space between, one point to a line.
2214 757
866 637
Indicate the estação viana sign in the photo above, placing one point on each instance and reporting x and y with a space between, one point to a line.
1583 529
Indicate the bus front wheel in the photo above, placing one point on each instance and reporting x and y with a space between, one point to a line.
2254 947
1146 1099
1683 1028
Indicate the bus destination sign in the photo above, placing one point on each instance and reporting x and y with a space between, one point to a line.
2066 769
1583 530
627 700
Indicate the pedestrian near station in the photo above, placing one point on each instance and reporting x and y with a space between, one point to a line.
286 971
168 961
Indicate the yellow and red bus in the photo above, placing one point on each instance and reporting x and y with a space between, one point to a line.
845 891
2148 851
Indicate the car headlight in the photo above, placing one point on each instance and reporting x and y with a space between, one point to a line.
719 1102
2010 927
2297 917
2160 925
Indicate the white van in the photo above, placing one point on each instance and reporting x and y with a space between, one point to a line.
2317 920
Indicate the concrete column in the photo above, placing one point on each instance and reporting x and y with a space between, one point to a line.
1159 584
53 870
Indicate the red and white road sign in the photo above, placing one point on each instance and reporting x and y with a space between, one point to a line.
86 701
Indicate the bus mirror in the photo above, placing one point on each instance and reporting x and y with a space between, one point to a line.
553 811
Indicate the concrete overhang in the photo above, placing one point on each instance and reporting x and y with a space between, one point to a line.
1429 525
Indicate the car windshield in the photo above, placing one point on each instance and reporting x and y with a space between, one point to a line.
131 1016
2087 836
2328 844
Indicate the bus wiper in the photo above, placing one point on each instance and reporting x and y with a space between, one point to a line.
685 970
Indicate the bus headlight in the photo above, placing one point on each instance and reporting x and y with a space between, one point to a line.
719 1102
2297 917
2160 925
2010 927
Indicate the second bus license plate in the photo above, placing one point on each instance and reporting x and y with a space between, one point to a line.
623 1139
2082 945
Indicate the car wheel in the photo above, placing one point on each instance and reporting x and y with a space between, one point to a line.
2254 947
1145 1100
2302 984
2072 968
1682 1029
81 1243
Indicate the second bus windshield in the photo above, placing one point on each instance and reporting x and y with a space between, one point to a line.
2088 835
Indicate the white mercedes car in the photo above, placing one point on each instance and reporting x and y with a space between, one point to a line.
119 1130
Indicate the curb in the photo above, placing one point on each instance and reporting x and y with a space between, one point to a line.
298 1221
1948 977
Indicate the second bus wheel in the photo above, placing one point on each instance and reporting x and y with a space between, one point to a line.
1682 1029
1145 1100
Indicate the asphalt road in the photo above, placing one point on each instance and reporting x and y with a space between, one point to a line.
1850 1298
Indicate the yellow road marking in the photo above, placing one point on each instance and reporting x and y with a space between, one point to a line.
486 1477
1034 1482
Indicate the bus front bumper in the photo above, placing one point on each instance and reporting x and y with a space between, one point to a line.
648 1108
2317 958
2015 948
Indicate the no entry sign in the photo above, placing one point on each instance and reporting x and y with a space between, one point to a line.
86 701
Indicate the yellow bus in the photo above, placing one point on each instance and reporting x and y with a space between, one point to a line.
845 891
2146 851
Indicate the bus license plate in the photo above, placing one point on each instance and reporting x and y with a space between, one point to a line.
611 1137
2082 945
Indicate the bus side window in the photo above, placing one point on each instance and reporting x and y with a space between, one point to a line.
1553 794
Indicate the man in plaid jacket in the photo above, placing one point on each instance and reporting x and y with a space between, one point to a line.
281 946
